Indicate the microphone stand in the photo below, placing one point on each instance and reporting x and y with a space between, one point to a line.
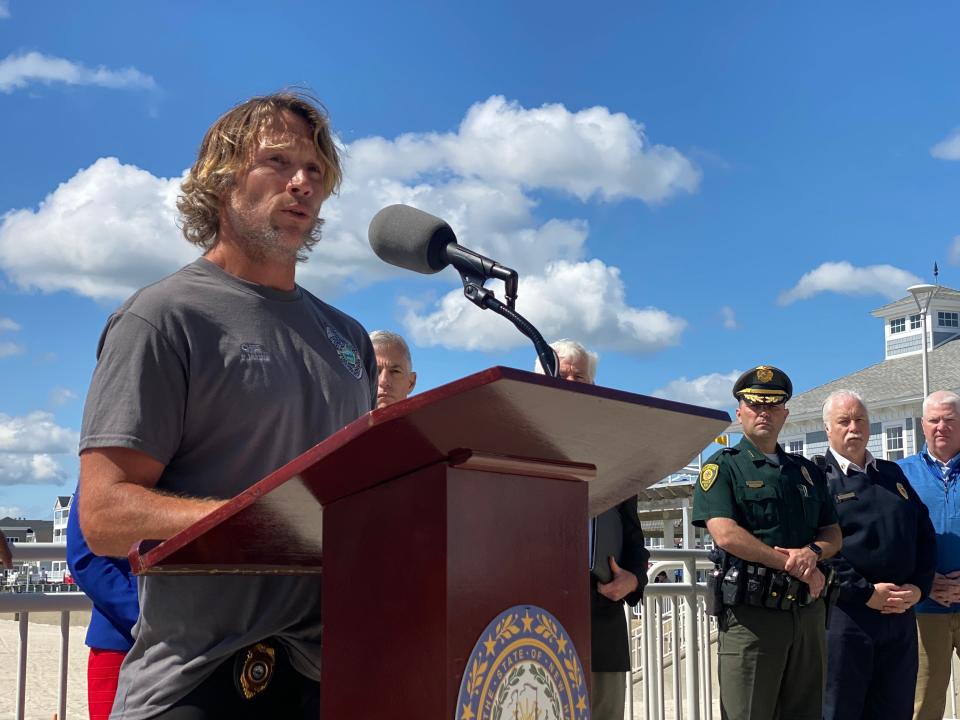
483 298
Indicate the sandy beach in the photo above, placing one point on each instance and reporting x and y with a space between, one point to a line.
43 666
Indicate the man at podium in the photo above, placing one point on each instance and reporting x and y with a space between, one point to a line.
207 381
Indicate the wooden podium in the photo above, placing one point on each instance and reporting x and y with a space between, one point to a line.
431 516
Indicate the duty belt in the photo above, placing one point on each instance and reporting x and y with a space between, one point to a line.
759 586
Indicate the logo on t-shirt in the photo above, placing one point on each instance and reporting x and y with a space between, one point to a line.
347 352
252 352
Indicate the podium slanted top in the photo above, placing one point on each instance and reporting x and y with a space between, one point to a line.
275 526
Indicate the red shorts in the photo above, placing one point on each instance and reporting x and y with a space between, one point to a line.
103 669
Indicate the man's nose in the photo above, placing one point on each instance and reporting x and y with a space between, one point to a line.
299 183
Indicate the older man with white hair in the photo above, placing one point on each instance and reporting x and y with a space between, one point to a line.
885 567
610 649
934 472
395 376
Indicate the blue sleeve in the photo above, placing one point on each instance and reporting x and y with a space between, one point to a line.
108 582
926 562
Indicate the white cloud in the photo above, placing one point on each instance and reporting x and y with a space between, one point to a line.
11 511
948 148
729 317
582 300
36 432
104 233
955 250
28 448
31 469
4 13
713 390
8 349
846 279
111 228
61 396
19 71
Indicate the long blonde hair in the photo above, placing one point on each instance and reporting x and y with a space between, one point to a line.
227 150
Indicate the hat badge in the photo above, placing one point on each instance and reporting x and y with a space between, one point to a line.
764 374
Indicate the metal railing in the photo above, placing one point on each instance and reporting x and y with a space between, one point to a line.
673 614
23 603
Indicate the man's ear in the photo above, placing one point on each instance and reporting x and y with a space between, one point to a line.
413 382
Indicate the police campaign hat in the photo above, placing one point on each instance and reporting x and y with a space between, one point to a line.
763 384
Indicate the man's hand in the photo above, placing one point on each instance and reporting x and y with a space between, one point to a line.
881 595
801 563
946 588
6 557
621 584
901 599
891 599
815 581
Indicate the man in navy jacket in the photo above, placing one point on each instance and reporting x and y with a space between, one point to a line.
885 568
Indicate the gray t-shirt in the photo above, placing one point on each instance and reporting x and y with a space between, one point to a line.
223 381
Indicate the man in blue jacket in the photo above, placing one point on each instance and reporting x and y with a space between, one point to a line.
112 589
934 472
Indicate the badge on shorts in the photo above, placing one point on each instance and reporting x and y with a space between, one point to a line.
806 476
346 351
903 491
257 669
708 475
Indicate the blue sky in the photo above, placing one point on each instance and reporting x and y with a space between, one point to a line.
691 189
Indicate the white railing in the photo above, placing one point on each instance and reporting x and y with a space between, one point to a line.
673 613
24 603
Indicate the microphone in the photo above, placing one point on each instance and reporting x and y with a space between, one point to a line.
412 239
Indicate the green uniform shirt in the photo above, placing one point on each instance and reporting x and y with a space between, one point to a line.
778 503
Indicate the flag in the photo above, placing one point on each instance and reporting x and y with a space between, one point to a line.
722 440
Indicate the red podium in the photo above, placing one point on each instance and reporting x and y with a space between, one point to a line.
438 513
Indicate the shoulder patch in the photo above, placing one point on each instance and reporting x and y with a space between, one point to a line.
806 475
708 475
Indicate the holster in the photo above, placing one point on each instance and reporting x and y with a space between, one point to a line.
713 600
831 590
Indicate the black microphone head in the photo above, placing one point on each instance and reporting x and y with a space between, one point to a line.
409 238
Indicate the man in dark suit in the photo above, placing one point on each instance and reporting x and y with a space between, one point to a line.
609 635
886 567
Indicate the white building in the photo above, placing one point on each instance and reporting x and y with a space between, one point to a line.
893 388
61 513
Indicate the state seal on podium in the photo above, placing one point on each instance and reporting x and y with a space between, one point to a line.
524 667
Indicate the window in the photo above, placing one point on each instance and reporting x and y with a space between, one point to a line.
914 322
948 319
895 443
795 446
898 325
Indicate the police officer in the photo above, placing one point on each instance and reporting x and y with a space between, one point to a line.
885 568
772 515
